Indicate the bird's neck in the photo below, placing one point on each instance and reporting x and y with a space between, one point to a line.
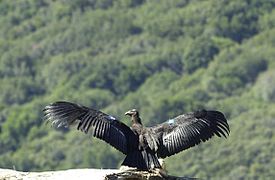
136 120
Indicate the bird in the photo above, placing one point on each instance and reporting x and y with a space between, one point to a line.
143 146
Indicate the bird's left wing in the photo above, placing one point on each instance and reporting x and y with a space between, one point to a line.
104 126
188 130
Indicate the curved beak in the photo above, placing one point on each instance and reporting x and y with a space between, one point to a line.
128 113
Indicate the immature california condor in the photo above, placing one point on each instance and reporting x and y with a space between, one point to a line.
141 145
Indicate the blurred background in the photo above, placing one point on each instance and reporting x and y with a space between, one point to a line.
162 57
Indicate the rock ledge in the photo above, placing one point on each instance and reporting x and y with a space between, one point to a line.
85 174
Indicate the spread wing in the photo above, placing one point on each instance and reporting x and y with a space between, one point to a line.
188 130
103 126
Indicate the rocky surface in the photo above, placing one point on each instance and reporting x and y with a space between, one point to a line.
83 174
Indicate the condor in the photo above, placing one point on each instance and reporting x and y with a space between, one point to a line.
141 145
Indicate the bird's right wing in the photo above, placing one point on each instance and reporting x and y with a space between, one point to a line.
104 127
188 130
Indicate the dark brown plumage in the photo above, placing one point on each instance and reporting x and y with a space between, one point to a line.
141 145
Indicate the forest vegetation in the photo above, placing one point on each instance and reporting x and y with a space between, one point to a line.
162 57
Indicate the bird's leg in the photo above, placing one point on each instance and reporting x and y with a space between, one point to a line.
162 164
159 171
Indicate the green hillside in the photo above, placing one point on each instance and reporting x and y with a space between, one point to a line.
161 57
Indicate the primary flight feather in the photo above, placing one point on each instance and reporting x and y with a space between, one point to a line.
141 145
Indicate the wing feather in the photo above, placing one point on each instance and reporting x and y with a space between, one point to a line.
188 130
104 127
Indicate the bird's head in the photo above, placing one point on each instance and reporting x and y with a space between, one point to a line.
132 113
134 116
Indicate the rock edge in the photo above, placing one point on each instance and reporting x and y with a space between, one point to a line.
83 174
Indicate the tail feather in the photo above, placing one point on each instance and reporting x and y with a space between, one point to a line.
142 160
